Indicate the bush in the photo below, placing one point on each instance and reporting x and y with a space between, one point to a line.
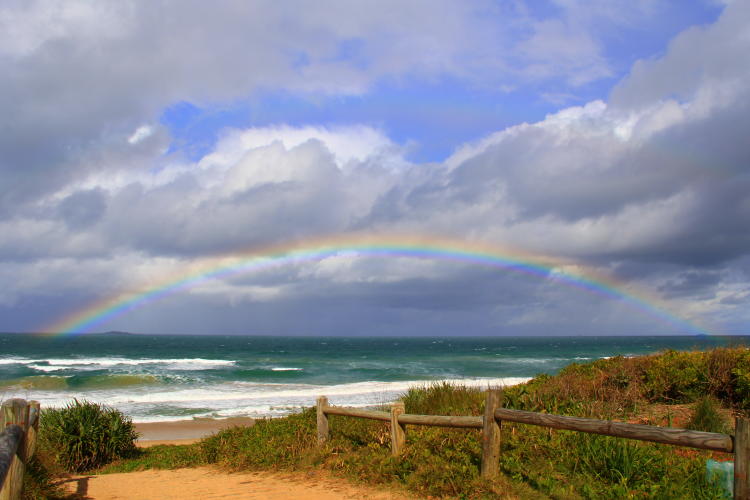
706 416
741 378
677 377
84 435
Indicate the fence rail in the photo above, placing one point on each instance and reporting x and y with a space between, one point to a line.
19 425
442 421
490 423
666 435
359 413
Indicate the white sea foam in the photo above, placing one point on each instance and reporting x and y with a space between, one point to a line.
254 411
529 361
43 368
249 391
285 369
249 399
533 361
14 361
47 365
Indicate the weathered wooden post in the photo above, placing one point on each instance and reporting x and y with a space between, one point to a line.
322 420
491 435
10 437
32 431
398 431
15 411
741 458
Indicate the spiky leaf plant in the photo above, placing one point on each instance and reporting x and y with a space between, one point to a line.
85 435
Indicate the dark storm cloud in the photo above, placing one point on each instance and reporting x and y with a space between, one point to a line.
358 309
456 288
691 282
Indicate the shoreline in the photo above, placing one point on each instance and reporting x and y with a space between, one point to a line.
185 431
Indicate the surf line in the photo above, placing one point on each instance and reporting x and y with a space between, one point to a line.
367 245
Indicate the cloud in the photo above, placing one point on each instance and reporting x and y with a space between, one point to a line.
703 63
81 78
141 133
649 185
558 48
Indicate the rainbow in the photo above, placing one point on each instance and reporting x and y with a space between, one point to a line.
370 245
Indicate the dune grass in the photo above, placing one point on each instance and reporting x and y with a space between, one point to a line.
535 462
162 456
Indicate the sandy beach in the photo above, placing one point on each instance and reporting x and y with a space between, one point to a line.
184 431
207 482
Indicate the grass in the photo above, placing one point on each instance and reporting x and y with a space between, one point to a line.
157 457
443 398
39 482
535 462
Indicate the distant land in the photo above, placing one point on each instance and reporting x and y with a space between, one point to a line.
111 332
416 335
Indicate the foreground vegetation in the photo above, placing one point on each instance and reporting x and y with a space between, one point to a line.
699 390
78 437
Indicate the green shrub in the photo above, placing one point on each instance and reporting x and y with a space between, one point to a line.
706 416
741 379
84 435
678 377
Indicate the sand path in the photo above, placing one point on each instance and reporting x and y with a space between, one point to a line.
209 483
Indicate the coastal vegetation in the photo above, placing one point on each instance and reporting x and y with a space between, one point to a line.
84 435
699 390
78 437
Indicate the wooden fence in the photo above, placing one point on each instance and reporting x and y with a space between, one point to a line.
494 415
19 423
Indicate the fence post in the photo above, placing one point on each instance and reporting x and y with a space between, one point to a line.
15 411
491 435
741 458
398 431
32 430
322 420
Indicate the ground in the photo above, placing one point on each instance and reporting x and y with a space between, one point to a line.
211 483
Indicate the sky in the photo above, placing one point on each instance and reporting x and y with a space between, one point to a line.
142 141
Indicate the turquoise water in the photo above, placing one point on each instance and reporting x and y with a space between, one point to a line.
170 377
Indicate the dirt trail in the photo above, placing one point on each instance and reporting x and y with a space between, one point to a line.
209 483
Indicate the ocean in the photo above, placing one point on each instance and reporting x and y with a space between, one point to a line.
178 377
